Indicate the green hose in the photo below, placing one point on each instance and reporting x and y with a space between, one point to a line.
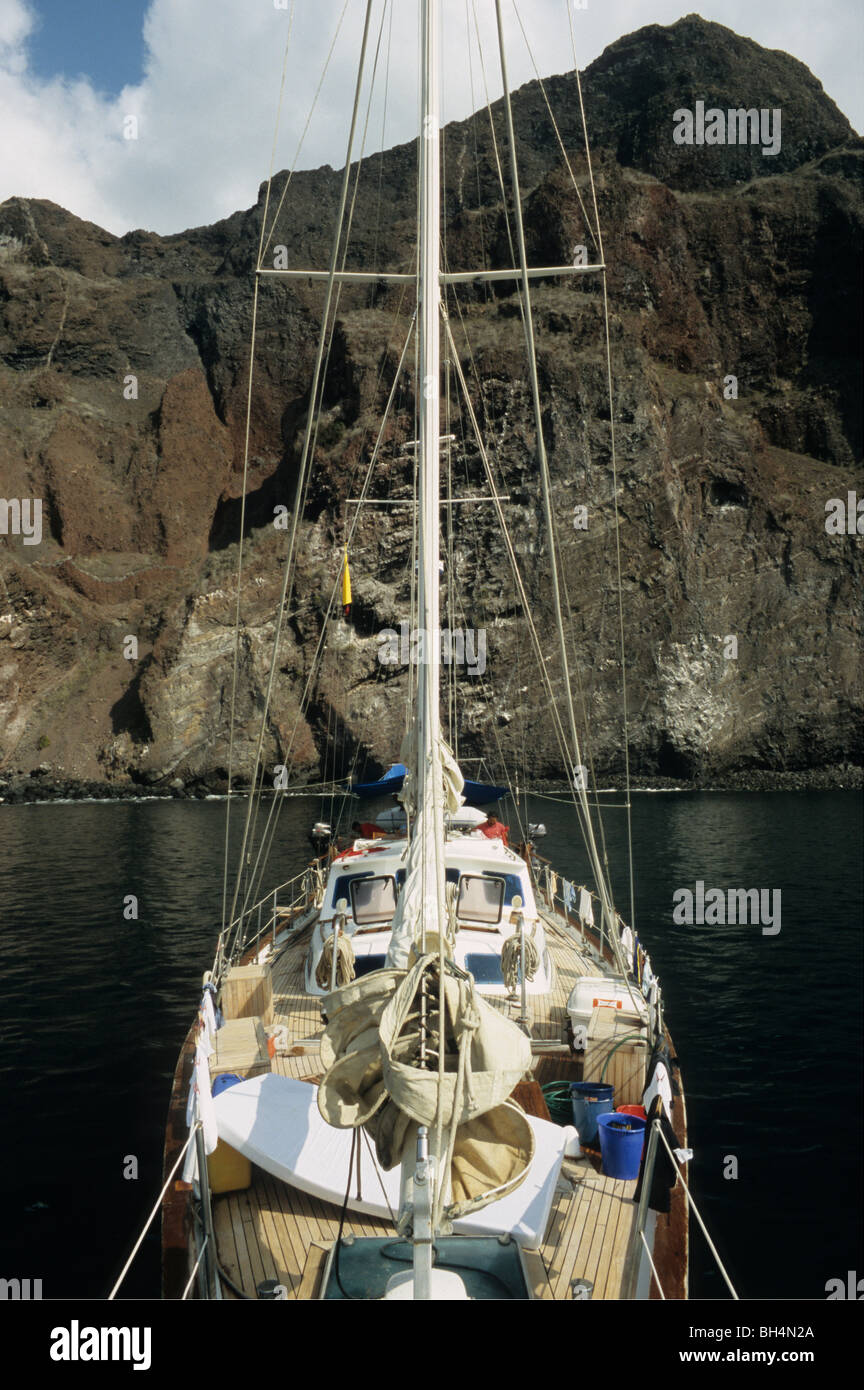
558 1102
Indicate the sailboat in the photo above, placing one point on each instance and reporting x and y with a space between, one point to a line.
430 1067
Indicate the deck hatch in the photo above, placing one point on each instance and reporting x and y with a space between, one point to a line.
480 898
373 899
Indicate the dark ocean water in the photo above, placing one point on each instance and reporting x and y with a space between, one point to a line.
93 1009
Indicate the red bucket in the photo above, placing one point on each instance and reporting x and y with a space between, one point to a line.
632 1110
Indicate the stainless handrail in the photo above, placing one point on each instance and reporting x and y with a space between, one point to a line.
222 957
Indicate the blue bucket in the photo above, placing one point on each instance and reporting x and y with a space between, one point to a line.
221 1083
590 1100
622 1139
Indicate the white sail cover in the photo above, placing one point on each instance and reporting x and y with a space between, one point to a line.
493 1054
371 1050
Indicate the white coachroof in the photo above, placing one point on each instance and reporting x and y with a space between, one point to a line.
473 853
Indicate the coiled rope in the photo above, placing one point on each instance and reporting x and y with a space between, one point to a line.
344 963
511 955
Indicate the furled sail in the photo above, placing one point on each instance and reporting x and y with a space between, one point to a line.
413 907
377 1029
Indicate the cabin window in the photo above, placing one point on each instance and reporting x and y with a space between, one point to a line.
373 900
480 899
343 887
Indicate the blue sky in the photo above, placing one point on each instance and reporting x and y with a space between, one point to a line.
199 81
102 39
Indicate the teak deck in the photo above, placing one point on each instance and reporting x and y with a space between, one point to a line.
274 1231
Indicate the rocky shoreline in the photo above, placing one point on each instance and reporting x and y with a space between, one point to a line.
41 786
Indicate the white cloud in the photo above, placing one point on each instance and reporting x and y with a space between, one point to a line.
16 22
206 103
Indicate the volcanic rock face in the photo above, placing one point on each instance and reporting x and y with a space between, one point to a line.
735 297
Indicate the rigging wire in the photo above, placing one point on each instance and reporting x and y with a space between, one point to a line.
304 463
305 131
267 837
581 809
626 724
603 888
508 540
316 401
270 827
388 7
473 119
452 730
315 404
594 235
262 248
247 432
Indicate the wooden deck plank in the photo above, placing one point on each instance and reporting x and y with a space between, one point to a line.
301 1234
246 1278
319 1219
617 1255
561 1255
582 1234
588 1259
288 1263
226 1245
296 1225
262 1267
613 1201
270 1244
604 1240
556 1225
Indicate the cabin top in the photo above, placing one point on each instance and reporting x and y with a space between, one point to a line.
384 862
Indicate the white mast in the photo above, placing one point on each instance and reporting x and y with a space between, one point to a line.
429 824
421 908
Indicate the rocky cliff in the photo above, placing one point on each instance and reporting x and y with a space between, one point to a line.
735 294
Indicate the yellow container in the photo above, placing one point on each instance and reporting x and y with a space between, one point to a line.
228 1170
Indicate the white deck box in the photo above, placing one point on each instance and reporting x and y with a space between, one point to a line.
598 992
